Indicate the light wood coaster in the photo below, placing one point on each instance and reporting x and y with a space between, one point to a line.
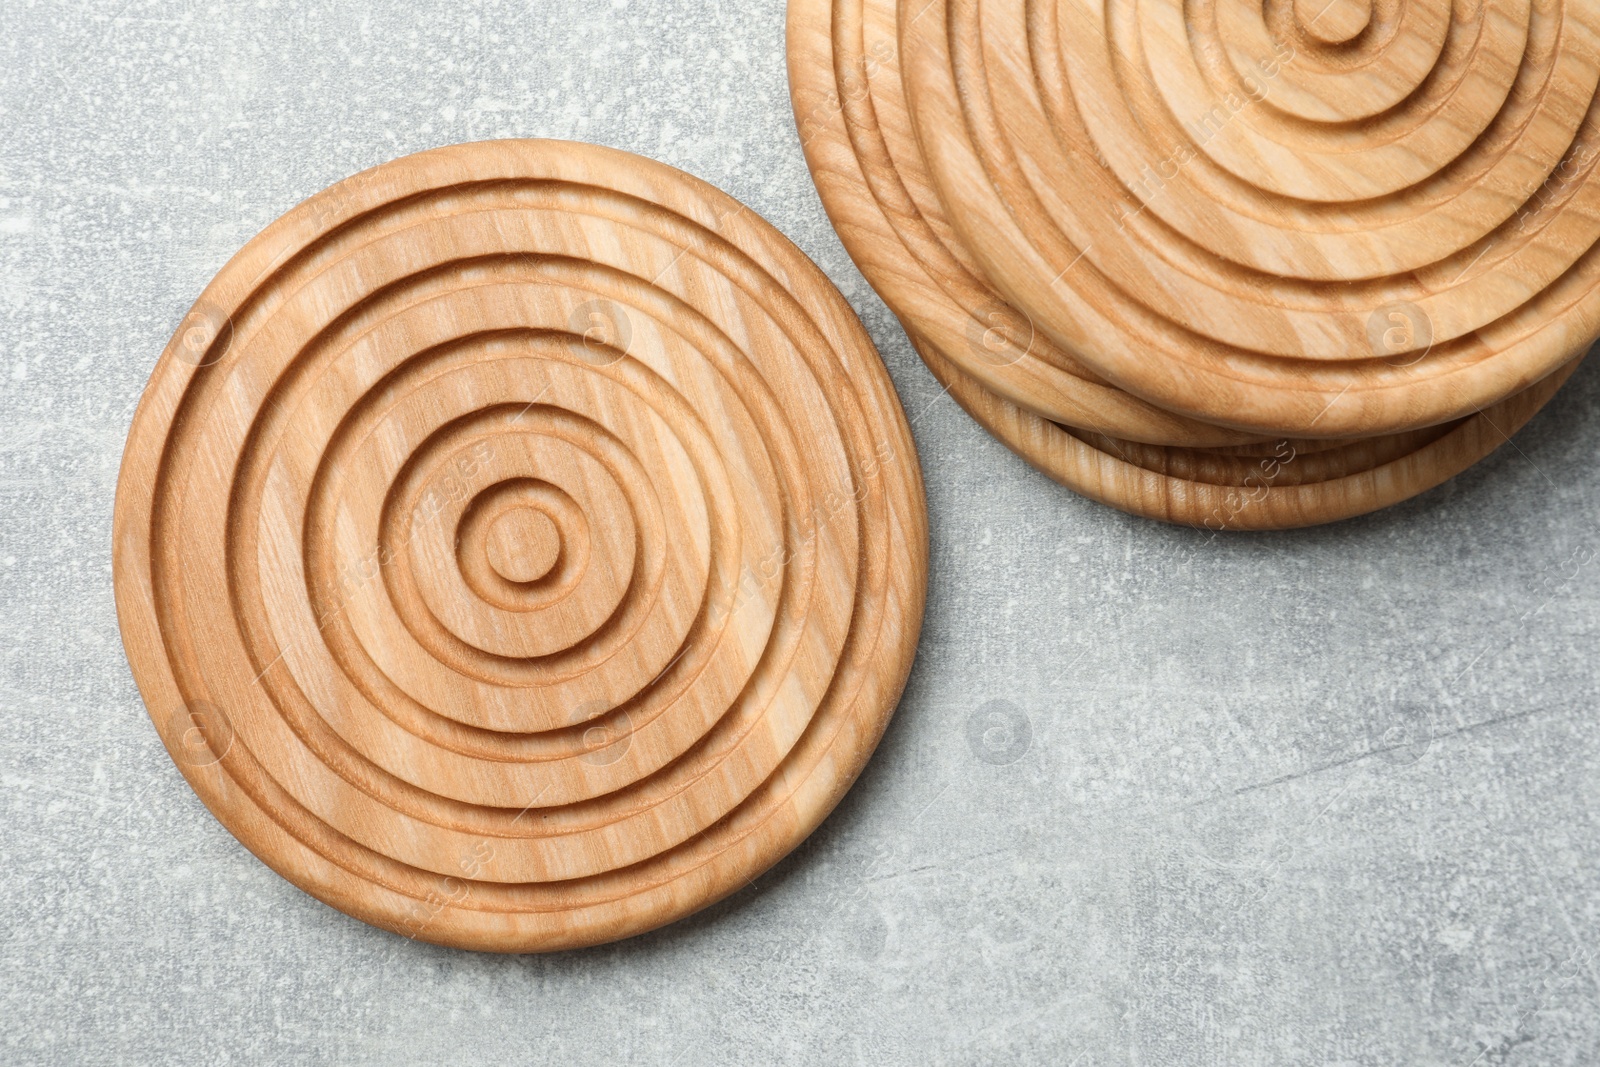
1277 486
1368 219
520 546
850 109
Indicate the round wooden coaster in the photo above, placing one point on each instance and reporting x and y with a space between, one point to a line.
844 79
850 108
520 545
1241 214
1276 486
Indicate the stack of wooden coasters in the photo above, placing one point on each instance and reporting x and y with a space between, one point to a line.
1242 266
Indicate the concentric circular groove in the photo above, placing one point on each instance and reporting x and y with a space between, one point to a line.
521 542
533 538
1332 22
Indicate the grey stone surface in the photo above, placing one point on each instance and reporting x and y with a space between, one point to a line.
1326 797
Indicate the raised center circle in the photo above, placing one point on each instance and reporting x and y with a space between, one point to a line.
1333 22
522 545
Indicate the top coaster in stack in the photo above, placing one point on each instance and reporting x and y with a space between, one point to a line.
520 545
1113 223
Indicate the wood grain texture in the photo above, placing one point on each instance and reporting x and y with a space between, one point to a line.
851 111
1275 486
850 108
520 546
1252 220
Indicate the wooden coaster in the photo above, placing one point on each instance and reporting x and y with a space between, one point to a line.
850 108
844 78
1278 486
1368 219
520 546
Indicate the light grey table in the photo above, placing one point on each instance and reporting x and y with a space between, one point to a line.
1325 798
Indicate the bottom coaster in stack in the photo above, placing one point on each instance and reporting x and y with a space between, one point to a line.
1276 486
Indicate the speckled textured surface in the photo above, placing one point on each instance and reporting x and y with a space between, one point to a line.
1326 797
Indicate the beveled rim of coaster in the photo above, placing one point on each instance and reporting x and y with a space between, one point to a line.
844 78
520 545
1278 486
1411 277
